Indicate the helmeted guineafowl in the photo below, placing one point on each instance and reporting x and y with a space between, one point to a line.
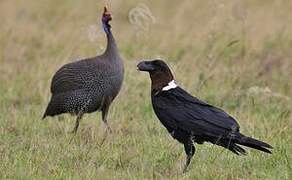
90 84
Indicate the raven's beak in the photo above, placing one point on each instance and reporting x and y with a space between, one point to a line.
145 66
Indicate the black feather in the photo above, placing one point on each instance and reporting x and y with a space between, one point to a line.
190 120
179 111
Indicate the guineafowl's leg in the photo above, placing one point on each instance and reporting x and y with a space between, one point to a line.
104 117
190 151
104 110
79 116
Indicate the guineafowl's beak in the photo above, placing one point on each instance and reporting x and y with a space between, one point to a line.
145 66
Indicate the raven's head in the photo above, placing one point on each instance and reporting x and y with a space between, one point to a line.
160 73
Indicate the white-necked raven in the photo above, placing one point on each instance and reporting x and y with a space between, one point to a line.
190 120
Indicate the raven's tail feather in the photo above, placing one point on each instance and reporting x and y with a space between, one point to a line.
253 143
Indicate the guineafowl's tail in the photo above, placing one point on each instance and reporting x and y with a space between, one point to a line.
55 107
253 143
51 110
44 116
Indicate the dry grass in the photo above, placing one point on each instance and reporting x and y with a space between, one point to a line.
227 52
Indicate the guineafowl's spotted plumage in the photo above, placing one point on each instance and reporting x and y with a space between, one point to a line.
90 84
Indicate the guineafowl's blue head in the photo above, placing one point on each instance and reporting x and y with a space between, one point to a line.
106 18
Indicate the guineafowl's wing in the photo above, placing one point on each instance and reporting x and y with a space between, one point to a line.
77 75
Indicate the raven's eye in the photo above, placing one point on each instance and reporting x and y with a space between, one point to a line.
156 63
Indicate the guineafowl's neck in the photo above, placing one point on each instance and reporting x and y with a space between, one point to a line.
111 48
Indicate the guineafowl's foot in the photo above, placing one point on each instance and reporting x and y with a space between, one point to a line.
72 138
75 128
74 131
108 128
103 138
107 131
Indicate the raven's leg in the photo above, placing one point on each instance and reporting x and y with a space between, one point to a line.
79 116
190 151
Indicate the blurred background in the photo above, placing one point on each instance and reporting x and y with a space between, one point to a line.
231 53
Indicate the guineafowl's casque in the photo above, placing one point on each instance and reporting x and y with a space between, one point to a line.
90 84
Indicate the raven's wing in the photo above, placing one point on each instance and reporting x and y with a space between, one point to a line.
76 75
179 109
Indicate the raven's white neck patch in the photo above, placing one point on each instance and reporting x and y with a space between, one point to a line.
170 85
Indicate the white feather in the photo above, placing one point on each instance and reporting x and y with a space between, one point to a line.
170 85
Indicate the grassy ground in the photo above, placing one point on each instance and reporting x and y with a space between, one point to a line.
233 54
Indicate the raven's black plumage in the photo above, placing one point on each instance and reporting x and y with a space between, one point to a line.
90 84
189 119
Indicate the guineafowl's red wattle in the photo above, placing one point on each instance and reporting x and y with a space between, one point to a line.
90 84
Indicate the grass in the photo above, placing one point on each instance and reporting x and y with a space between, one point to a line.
250 79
